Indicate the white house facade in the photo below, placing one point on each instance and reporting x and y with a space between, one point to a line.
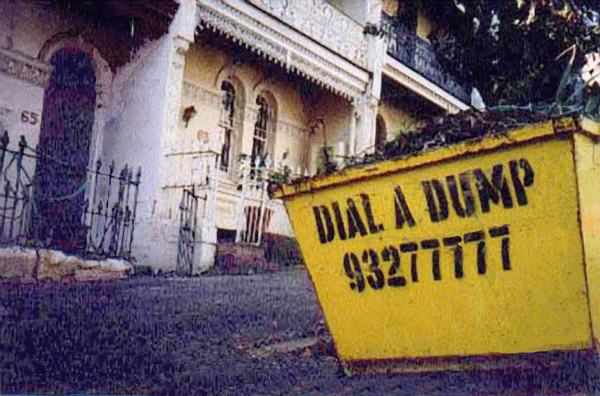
208 98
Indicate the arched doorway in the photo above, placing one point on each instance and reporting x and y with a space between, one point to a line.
64 147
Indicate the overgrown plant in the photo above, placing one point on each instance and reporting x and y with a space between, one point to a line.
513 51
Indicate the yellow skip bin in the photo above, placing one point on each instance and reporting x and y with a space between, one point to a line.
482 248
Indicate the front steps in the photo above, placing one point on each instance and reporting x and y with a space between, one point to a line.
236 259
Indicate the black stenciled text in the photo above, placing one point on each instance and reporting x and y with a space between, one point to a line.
380 268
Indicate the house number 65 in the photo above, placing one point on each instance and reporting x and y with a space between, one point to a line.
29 117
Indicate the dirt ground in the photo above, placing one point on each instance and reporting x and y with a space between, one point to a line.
196 336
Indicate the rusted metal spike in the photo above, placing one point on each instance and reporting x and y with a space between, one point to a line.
22 143
123 174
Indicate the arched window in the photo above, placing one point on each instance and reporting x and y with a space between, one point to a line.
260 141
380 133
227 124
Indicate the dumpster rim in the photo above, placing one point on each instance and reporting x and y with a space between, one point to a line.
552 127
481 362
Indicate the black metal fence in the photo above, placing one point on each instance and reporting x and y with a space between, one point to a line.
45 202
188 220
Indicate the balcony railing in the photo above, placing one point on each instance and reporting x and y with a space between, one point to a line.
323 23
416 53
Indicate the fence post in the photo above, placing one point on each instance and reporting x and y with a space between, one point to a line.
263 200
6 193
129 177
213 177
136 183
92 205
3 147
22 145
117 213
240 205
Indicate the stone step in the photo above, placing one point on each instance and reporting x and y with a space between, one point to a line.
237 259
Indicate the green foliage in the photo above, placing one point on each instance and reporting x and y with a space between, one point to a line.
513 51
326 164
281 176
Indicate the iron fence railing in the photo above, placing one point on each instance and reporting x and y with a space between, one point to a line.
253 212
49 203
110 219
188 223
412 51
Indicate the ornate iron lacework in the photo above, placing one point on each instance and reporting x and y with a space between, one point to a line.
240 27
322 22
107 201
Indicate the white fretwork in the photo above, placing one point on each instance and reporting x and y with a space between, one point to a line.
590 73
282 44
323 23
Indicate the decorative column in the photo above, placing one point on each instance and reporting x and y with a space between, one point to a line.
355 114
247 133
180 37
159 227
368 103
376 48
175 45
366 113
363 121
175 54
